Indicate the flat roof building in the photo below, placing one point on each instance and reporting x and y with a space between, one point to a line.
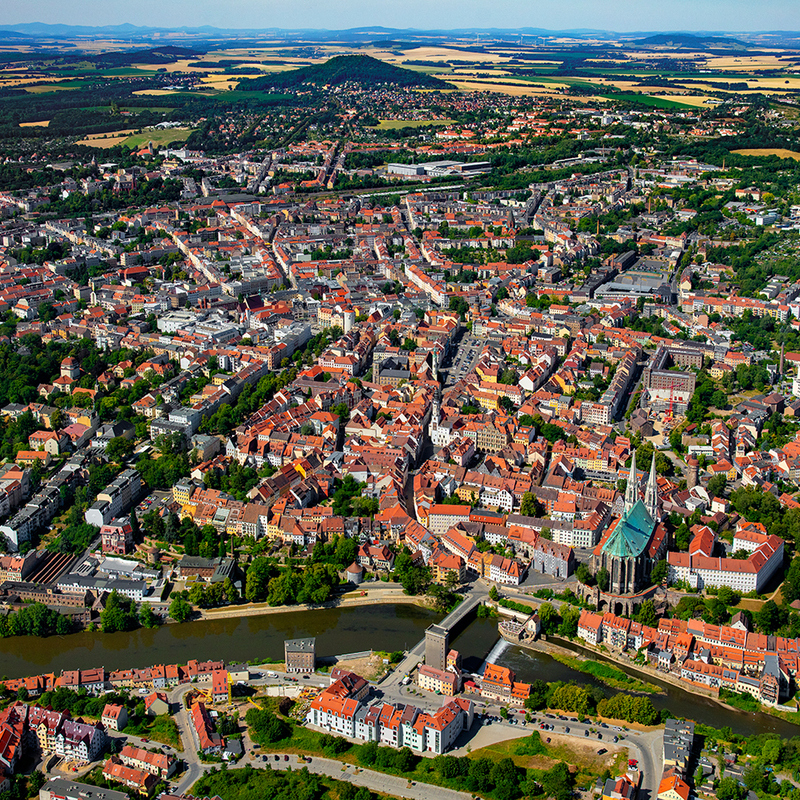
300 654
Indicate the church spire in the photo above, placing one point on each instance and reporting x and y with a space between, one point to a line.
651 492
632 490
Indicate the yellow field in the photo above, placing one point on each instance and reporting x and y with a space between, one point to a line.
102 140
435 54
766 151
43 124
738 63
512 89
698 100
222 83
53 87
133 139
156 92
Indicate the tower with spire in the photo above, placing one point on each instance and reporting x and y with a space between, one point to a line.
651 490
636 540
632 489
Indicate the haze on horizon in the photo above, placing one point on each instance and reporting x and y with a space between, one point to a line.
621 16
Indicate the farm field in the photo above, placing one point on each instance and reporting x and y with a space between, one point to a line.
134 140
766 151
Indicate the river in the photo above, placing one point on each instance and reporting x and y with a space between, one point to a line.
530 665
337 630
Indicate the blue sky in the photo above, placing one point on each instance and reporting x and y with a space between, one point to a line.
619 15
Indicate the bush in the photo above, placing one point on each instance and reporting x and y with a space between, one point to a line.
530 746
265 727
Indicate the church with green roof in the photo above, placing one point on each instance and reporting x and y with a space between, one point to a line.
636 540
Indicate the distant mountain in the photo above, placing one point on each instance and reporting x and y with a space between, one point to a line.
154 36
364 70
689 41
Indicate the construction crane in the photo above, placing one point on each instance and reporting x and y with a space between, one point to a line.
671 407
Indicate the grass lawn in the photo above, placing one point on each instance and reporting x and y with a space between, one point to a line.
159 137
611 676
236 95
576 753
646 100
160 729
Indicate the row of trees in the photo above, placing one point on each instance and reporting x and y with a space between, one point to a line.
289 586
585 700
35 619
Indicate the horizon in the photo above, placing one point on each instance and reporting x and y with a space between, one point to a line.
626 17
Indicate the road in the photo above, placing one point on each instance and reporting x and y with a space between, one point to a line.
194 767
463 360
374 781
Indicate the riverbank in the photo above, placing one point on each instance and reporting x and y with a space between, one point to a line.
263 609
563 654
557 651
607 674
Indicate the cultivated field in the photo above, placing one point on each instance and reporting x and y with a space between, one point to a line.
766 151
135 140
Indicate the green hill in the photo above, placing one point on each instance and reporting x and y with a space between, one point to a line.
363 70
688 41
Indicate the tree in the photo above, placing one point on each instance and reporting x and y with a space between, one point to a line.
147 619
717 485
791 584
730 789
730 597
119 448
231 592
659 571
719 399
342 411
548 617
584 574
647 614
527 506
494 594
180 610
259 574
768 617
558 782
266 727
451 580
119 614
368 754
603 579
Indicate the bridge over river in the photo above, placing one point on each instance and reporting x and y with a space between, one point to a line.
473 597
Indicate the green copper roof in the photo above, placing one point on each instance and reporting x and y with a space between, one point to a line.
632 534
